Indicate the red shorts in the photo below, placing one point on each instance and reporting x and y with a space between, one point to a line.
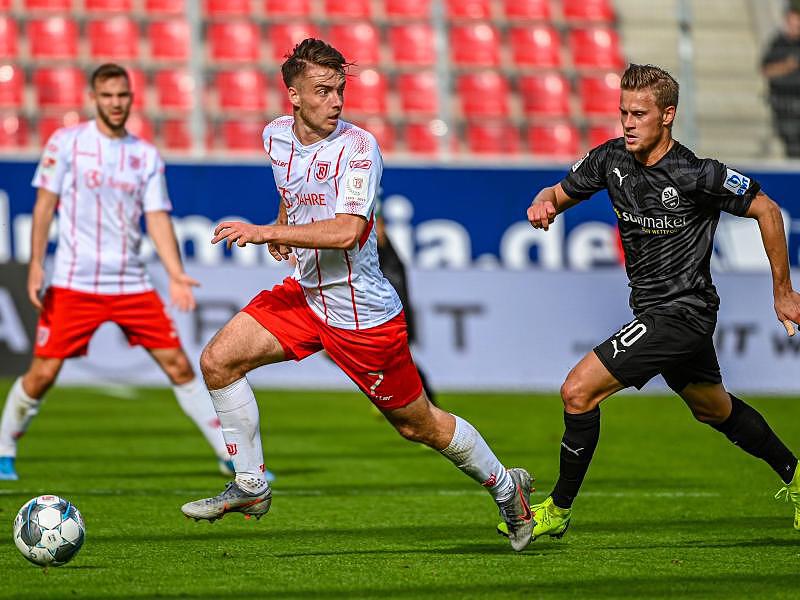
70 318
376 359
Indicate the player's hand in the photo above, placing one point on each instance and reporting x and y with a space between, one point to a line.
787 307
279 251
35 282
236 232
180 291
541 214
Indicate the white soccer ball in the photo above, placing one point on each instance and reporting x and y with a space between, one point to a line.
49 531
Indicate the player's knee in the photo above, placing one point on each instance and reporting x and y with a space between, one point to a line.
179 370
575 396
214 369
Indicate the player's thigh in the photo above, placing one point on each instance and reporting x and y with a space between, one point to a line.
67 323
144 320
242 344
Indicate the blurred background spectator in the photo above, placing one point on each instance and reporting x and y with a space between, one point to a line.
781 67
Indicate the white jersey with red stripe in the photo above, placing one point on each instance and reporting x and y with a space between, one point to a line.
340 174
104 186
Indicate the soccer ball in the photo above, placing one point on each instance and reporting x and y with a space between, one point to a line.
49 531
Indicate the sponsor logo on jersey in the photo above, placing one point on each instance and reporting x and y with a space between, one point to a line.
577 165
322 170
48 162
657 225
280 163
360 164
670 198
619 175
94 179
290 200
52 148
735 182
135 162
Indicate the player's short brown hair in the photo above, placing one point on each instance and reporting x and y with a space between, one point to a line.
312 52
108 71
662 84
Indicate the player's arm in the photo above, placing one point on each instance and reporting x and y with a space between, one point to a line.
770 222
548 203
43 211
279 251
159 228
340 233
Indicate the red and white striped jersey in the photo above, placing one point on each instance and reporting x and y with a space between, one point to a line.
340 174
104 186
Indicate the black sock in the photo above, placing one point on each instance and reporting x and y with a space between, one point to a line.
746 428
581 434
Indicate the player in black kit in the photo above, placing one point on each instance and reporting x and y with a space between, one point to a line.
667 203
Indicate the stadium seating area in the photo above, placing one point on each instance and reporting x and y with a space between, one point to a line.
487 77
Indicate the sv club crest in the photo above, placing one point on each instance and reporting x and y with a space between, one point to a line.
322 170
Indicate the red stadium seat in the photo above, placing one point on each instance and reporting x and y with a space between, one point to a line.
12 86
235 41
492 137
595 48
554 140
359 42
412 44
5 5
545 95
285 36
49 123
600 133
483 94
382 130
115 6
59 87
53 37
352 9
421 139
114 38
242 135
527 10
366 93
226 8
175 134
165 7
140 126
138 81
588 10
599 94
282 8
169 40
9 34
175 89
13 131
407 9
418 92
54 5
469 9
243 89
475 45
536 46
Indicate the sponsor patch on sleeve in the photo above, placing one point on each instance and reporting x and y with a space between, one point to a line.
357 186
735 182
361 164
578 164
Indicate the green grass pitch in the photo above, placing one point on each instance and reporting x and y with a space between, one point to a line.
669 508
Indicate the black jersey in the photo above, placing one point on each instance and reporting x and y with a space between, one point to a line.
667 215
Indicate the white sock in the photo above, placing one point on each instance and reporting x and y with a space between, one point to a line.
470 453
193 398
17 415
238 413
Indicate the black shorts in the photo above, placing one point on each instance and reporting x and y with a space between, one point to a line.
674 341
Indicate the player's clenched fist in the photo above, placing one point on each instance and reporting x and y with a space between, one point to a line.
541 214
236 232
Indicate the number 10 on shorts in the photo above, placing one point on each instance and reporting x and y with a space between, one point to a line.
628 336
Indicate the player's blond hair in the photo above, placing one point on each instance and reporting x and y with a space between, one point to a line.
312 52
656 79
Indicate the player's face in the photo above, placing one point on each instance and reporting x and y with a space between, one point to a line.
113 99
317 97
644 124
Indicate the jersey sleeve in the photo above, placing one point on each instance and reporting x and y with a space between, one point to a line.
155 195
53 164
725 188
588 175
360 182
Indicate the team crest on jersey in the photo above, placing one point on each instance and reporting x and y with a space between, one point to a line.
42 335
670 198
322 170
94 179
577 165
135 162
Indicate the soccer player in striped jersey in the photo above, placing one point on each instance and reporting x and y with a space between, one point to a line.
327 173
101 180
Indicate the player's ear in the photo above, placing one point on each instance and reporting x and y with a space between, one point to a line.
668 116
294 96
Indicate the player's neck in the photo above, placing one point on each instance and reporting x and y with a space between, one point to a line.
307 135
655 154
107 131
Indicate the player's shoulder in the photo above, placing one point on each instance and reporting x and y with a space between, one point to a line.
63 137
684 159
279 126
356 139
